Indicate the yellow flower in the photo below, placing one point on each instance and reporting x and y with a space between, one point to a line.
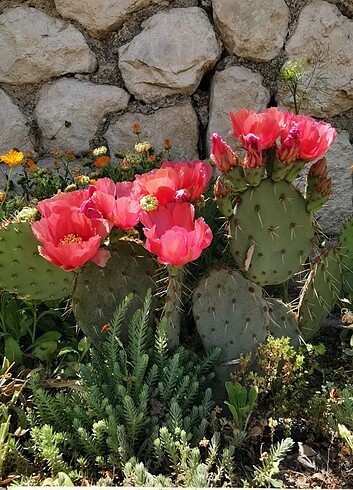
12 158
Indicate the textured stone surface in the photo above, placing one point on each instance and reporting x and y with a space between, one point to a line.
13 130
324 40
35 47
339 208
255 29
233 89
170 55
69 111
100 16
178 123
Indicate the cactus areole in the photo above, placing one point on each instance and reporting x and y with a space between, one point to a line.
271 223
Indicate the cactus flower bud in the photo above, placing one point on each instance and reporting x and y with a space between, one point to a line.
222 155
289 150
222 197
319 169
253 157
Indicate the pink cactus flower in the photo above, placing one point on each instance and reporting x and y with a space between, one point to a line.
222 155
70 239
176 181
61 200
267 125
173 235
316 137
117 202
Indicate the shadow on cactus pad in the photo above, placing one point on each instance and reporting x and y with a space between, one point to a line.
98 291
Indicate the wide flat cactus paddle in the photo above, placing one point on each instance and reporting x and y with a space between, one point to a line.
320 292
99 290
23 271
271 232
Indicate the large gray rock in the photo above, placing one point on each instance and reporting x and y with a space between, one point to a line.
69 111
36 47
178 123
14 133
170 55
233 89
100 16
323 39
339 207
255 29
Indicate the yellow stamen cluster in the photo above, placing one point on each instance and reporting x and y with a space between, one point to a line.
71 238
149 203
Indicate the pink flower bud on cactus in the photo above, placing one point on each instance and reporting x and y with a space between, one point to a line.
222 155
253 158
289 150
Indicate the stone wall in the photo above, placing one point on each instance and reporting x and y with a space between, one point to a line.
76 74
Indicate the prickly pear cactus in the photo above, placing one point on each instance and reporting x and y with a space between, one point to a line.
271 232
283 321
346 250
230 312
321 291
23 271
98 291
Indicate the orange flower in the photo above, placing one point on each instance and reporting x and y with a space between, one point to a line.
31 165
102 161
167 144
12 158
136 128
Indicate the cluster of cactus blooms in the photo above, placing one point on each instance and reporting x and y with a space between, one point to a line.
75 225
277 144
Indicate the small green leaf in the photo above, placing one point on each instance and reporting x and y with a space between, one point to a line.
12 350
51 336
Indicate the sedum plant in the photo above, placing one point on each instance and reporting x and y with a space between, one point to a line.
135 401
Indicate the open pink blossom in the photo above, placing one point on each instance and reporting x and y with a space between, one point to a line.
61 200
222 155
266 125
173 235
316 137
117 202
75 201
69 239
176 181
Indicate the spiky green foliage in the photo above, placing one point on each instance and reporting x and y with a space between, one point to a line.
128 394
320 292
264 474
23 271
98 291
271 231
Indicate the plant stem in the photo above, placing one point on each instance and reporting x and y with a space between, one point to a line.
173 303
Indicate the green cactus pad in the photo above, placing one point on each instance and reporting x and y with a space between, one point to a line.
346 250
283 321
98 291
271 232
320 293
230 313
24 272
